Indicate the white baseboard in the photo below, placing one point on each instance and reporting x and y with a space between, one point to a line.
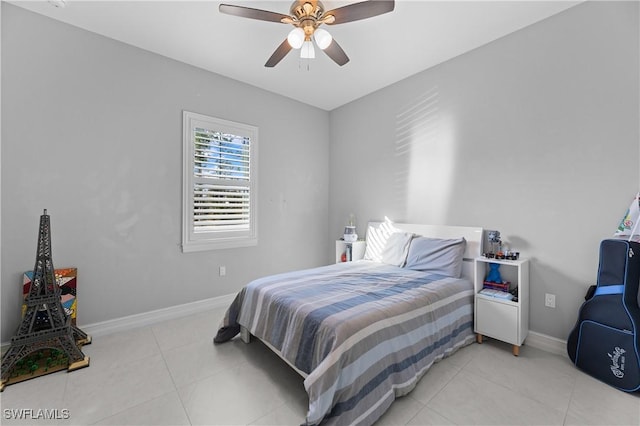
547 343
152 317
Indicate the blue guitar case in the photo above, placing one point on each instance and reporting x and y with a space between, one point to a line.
605 340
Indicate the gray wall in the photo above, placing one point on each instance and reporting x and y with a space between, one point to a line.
92 131
535 134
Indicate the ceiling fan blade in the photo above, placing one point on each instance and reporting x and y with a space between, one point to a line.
279 54
248 12
335 52
358 11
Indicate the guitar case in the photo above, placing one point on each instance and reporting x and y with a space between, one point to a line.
605 340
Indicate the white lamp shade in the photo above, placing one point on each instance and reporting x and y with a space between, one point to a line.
307 51
296 38
323 38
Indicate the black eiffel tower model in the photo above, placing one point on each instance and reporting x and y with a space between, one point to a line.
46 340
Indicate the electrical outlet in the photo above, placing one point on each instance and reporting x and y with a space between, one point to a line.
223 271
550 300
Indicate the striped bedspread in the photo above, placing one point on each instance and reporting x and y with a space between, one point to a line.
364 332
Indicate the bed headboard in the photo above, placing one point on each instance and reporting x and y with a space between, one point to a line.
472 234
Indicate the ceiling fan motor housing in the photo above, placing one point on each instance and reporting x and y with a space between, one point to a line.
303 9
307 14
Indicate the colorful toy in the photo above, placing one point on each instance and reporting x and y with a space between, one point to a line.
494 273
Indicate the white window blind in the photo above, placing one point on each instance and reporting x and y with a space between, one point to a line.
220 183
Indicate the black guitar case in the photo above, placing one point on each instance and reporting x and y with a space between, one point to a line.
605 340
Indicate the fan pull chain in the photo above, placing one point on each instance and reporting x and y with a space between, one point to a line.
304 64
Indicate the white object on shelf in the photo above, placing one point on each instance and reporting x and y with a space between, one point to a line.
350 235
350 238
496 293
502 319
352 250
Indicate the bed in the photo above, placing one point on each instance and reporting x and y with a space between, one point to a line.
363 333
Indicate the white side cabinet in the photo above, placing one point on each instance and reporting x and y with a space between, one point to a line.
505 320
351 251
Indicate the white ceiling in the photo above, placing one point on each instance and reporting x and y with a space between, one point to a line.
384 49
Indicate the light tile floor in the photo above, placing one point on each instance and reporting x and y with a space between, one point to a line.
171 374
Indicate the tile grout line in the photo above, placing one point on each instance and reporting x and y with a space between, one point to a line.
166 365
437 393
148 400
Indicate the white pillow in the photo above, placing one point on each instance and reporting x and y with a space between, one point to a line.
376 241
396 249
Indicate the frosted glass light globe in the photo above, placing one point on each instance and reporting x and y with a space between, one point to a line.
307 51
296 38
323 38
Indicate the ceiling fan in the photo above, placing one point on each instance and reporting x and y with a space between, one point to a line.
307 16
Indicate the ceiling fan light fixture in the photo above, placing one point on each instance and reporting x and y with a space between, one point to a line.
323 38
296 38
307 16
307 51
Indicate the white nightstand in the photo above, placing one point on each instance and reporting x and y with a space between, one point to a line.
506 320
352 251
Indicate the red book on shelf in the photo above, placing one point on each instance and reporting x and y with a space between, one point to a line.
503 286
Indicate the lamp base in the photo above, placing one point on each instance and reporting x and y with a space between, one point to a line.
350 238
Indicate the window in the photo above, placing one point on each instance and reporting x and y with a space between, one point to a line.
219 184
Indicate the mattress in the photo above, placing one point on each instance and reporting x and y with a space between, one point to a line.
363 332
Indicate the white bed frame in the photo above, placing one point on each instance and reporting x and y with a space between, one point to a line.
473 235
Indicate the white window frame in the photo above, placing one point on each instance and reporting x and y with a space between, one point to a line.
216 239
